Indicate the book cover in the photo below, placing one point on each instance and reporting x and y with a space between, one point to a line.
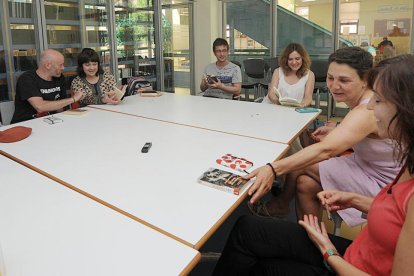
236 163
223 180
78 111
150 93
120 93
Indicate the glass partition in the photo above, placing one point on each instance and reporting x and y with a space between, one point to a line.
135 39
74 25
367 22
248 29
176 47
308 23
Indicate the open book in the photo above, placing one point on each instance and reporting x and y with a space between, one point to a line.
287 101
120 93
223 180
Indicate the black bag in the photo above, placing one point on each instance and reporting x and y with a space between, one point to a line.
135 84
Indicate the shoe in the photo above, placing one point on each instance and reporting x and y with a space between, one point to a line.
259 209
277 187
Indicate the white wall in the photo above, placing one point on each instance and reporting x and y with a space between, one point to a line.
207 27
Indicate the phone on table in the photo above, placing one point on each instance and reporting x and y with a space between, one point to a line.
306 109
146 147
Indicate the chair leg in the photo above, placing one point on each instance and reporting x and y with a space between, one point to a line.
329 107
337 220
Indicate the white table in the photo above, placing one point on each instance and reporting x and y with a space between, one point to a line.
47 229
261 121
100 154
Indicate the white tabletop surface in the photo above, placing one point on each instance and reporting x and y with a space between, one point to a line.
100 153
47 229
262 121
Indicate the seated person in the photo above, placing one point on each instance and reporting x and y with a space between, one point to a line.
42 90
260 246
316 167
227 83
97 85
293 78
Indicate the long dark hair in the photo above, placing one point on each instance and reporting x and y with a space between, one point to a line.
88 55
395 76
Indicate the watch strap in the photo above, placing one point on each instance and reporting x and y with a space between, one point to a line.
328 253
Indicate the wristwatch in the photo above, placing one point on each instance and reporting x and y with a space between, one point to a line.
326 255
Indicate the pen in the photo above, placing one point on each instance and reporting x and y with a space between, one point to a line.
328 213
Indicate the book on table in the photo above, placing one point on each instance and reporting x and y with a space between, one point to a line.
223 180
77 111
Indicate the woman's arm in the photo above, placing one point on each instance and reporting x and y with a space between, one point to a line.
357 124
309 87
271 94
404 253
338 200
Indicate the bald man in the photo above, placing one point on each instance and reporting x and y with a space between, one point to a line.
42 90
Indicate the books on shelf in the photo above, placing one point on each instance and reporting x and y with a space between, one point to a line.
223 180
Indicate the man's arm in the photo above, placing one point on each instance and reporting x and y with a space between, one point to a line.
45 106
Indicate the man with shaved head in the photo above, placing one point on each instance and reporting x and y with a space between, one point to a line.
42 90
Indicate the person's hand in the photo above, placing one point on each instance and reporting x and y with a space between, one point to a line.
78 95
317 234
110 98
336 200
262 184
321 132
215 84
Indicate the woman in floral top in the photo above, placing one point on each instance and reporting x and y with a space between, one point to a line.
97 85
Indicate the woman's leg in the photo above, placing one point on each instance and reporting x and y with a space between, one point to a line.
256 242
307 186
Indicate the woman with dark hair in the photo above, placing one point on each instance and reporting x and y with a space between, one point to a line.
293 79
315 168
97 85
261 246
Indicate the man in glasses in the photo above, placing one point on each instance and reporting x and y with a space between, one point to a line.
222 79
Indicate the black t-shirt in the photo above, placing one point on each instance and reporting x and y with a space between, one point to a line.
31 85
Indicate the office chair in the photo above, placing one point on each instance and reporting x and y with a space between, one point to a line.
255 69
320 68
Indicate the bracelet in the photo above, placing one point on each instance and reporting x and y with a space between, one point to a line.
273 169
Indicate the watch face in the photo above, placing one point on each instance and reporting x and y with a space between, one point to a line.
330 252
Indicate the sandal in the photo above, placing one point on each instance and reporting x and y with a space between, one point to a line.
259 209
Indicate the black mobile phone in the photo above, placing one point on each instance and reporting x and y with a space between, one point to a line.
146 147
211 79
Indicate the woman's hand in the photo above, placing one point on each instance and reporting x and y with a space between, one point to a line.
262 184
336 200
316 233
78 95
110 98
320 133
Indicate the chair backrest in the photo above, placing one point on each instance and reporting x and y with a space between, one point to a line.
320 68
272 63
254 68
236 62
